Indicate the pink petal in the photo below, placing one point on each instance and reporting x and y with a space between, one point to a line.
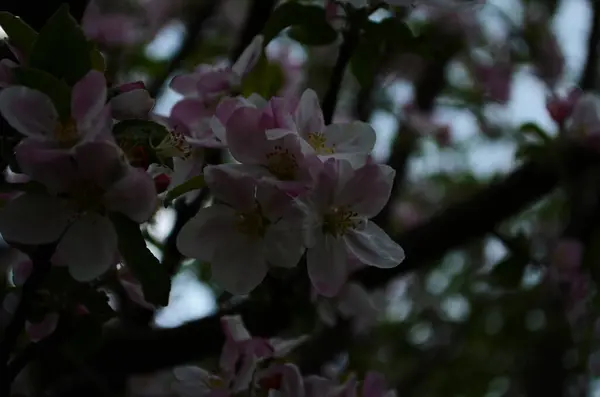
231 186
374 385
30 112
88 247
249 57
34 219
89 98
100 162
133 104
326 263
21 271
38 331
133 195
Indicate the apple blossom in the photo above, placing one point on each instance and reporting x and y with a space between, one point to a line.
111 29
255 217
131 101
264 141
338 209
83 187
33 114
241 352
352 141
208 82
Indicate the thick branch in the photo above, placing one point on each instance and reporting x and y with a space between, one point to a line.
151 350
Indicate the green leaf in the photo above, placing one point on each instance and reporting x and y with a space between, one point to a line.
532 151
508 273
97 59
296 14
313 35
139 138
21 35
194 183
62 48
379 39
535 131
154 278
57 90
265 79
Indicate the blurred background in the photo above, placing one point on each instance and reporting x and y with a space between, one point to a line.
486 318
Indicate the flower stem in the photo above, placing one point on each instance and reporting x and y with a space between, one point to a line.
349 43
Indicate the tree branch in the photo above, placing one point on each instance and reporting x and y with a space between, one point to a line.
41 267
150 350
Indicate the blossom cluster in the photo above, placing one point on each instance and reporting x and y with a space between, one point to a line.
297 188
259 367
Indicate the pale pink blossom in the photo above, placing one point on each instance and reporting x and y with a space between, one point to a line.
256 218
241 352
264 141
495 80
337 213
33 114
205 126
353 141
132 101
95 179
111 28
282 380
209 82
375 385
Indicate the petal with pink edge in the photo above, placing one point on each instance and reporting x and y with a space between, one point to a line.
88 247
231 186
89 98
28 111
34 219
249 57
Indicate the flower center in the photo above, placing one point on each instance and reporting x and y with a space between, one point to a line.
338 221
252 223
87 197
214 382
174 145
66 133
282 164
318 141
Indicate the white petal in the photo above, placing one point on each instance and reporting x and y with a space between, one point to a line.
28 111
207 232
34 219
373 247
354 137
88 247
326 263
249 57
284 244
309 117
241 266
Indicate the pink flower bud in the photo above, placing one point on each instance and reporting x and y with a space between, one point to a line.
162 182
